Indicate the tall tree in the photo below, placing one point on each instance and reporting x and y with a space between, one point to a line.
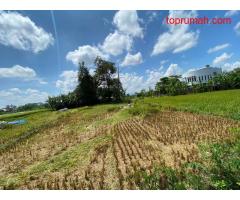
85 90
161 86
109 88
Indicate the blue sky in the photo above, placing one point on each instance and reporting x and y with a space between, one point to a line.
38 58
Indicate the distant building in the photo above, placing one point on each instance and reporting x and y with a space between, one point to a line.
202 75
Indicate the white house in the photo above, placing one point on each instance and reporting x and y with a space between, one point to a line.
201 75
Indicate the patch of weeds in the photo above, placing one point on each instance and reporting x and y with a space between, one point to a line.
113 109
144 109
217 169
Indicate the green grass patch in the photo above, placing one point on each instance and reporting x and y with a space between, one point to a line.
222 103
37 121
14 116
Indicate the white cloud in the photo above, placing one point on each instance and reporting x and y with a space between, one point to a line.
116 43
164 62
172 70
128 22
231 13
85 54
222 58
231 66
20 32
15 90
153 77
133 82
178 38
121 40
17 96
237 28
91 71
152 15
218 47
132 59
18 71
67 81
42 81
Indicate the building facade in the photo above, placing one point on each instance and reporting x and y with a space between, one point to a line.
202 75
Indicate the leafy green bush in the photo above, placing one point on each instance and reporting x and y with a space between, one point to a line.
63 101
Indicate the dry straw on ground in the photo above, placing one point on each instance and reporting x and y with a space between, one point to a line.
168 138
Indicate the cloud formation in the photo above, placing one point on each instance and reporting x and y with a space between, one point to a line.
237 28
218 47
18 96
21 73
178 38
231 13
132 82
173 70
127 22
116 43
67 81
22 33
132 59
18 71
222 58
85 53
231 66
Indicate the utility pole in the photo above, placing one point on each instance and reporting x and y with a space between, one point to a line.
118 83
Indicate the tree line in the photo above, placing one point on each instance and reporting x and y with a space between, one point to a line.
103 86
27 107
172 85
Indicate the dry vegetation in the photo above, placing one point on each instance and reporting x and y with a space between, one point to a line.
98 151
168 139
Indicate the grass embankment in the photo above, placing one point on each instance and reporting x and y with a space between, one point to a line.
221 103
42 119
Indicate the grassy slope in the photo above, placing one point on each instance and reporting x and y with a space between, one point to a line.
18 115
72 157
222 103
39 120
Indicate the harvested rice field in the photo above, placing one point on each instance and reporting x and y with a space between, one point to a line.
105 146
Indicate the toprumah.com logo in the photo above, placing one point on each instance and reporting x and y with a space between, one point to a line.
198 20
